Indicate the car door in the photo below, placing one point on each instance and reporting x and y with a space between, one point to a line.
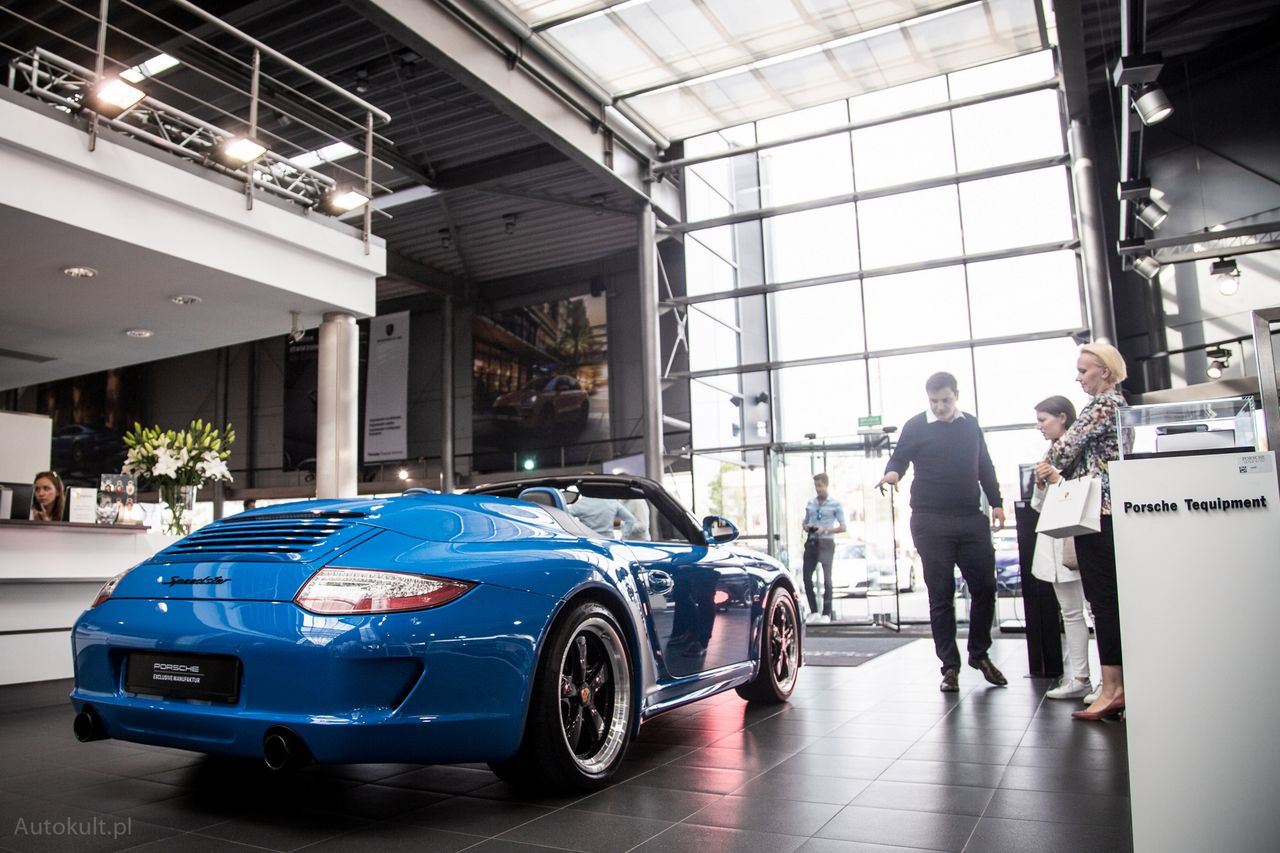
700 597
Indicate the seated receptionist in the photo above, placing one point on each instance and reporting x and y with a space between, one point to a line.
48 497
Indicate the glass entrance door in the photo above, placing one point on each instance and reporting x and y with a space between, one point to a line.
871 572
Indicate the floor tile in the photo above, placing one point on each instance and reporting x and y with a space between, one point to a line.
810 789
591 832
639 801
904 828
915 796
1067 780
473 815
685 837
945 773
995 835
780 816
1060 807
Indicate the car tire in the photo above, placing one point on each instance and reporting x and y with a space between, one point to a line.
780 651
582 708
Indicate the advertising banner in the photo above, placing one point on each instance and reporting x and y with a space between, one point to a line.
387 399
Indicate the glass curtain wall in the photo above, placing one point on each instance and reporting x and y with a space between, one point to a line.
828 278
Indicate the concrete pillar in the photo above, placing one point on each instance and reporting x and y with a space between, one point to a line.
337 403
650 344
446 395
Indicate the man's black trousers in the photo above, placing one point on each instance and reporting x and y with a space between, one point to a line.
946 541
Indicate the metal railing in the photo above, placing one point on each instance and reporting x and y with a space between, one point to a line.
231 81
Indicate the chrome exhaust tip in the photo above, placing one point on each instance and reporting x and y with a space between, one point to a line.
88 726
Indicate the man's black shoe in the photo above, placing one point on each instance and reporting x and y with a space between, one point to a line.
989 671
950 680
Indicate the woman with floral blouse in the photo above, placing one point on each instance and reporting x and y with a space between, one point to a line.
1085 449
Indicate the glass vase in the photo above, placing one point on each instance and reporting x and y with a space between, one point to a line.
179 508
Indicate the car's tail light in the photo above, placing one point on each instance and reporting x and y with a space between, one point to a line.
107 588
336 590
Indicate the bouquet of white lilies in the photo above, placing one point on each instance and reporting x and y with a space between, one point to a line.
187 457
177 462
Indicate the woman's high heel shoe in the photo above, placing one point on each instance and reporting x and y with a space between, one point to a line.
1115 708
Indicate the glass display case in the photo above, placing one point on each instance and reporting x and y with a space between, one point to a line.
1187 428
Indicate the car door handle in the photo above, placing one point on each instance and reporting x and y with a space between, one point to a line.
658 582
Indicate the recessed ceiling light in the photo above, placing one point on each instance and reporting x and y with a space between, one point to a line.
139 333
185 299
80 272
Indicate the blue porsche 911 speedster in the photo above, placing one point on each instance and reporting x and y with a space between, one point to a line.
531 625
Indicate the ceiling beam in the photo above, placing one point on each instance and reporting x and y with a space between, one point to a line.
530 91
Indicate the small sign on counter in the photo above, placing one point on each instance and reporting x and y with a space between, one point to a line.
82 505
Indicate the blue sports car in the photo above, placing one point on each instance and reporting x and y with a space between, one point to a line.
513 625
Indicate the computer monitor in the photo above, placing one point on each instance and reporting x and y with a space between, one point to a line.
21 506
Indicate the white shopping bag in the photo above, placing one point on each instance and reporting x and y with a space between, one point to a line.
1072 508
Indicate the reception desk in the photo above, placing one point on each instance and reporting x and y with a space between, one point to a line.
49 573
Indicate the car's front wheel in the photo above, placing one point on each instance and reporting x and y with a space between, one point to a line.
581 711
779 651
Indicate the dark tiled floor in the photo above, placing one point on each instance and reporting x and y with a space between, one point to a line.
863 760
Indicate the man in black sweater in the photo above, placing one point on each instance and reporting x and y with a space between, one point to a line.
947 524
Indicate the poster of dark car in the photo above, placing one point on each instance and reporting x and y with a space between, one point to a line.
541 392
90 414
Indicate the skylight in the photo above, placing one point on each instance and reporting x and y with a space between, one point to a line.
155 65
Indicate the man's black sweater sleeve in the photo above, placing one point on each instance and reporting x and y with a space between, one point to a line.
904 451
987 474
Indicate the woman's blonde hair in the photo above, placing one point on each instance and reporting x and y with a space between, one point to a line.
1109 357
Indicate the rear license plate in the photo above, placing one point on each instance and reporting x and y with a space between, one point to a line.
215 678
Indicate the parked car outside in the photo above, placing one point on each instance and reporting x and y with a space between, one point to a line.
857 572
1008 566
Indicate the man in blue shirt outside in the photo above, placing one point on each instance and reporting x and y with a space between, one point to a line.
823 519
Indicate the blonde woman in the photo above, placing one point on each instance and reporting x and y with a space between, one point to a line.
1055 416
1085 450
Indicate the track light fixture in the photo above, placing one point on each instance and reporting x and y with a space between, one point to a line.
1147 266
1152 104
240 150
1140 73
1219 361
1149 202
343 200
112 97
1226 272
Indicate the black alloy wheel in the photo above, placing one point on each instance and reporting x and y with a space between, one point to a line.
780 652
582 709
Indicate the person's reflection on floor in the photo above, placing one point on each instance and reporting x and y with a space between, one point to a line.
691 624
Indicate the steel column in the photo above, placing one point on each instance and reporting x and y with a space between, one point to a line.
446 392
337 396
1093 241
650 345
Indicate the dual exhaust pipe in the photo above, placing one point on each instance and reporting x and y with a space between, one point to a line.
281 748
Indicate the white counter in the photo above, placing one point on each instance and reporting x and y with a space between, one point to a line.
1196 545
49 573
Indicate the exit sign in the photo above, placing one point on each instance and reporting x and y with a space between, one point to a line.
870 421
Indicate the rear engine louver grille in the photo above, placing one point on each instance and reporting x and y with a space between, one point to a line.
260 537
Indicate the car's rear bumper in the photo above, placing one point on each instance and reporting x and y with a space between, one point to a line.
442 685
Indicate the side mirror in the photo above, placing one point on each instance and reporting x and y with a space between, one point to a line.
719 530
